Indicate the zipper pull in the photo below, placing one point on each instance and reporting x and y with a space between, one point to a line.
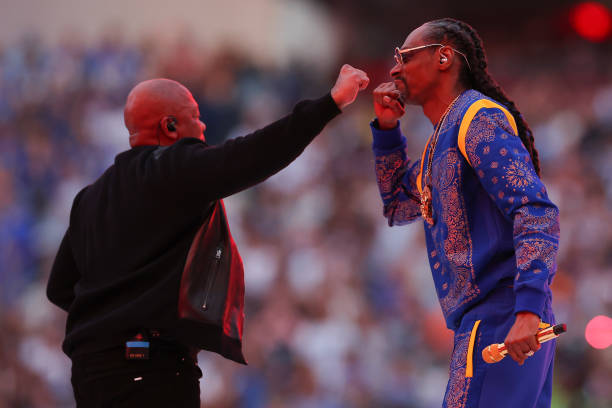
212 277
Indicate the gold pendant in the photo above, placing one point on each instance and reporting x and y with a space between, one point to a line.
427 205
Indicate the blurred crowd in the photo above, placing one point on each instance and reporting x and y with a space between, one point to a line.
341 309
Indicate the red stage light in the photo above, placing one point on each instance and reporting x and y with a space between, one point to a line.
598 332
592 21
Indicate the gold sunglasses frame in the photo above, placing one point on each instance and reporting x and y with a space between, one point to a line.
400 60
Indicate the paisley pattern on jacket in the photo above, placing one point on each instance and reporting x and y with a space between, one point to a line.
493 221
456 240
401 203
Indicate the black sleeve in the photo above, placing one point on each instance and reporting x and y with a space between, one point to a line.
64 275
210 173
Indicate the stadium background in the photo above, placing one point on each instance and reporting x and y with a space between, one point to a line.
341 310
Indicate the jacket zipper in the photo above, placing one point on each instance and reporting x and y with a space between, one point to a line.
215 268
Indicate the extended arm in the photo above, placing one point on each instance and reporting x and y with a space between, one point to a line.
209 173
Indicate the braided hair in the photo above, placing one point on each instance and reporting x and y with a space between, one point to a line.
463 37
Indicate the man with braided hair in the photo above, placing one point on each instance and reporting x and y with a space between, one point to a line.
491 231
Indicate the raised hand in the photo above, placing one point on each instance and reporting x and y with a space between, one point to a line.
388 105
350 81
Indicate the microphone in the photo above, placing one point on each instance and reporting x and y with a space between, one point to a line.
496 352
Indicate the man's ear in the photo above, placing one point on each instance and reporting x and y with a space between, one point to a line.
445 58
168 127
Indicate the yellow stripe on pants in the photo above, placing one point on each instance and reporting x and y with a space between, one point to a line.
469 366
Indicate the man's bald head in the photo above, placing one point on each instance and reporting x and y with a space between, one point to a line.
150 104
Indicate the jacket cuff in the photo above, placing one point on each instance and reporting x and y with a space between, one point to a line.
328 105
385 140
530 300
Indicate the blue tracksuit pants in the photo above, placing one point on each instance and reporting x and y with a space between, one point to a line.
475 383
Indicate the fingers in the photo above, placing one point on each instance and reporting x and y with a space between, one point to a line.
360 76
388 105
390 99
357 75
385 92
394 104
364 83
532 343
521 339
386 88
521 350
517 352
350 81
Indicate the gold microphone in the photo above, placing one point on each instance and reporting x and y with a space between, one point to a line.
496 352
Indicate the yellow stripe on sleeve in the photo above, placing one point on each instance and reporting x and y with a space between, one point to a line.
469 116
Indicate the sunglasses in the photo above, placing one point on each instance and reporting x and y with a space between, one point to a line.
403 56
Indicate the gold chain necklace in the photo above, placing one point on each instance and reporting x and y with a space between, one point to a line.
426 196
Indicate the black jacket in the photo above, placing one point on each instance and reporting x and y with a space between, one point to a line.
119 267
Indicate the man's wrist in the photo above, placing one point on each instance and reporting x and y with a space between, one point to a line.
385 125
337 98
526 313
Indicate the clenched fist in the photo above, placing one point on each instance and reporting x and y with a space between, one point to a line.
350 81
388 105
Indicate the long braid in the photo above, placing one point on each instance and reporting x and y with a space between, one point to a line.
467 40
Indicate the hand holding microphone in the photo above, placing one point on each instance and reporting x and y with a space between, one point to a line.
496 352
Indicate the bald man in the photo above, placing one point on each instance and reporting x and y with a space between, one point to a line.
148 270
